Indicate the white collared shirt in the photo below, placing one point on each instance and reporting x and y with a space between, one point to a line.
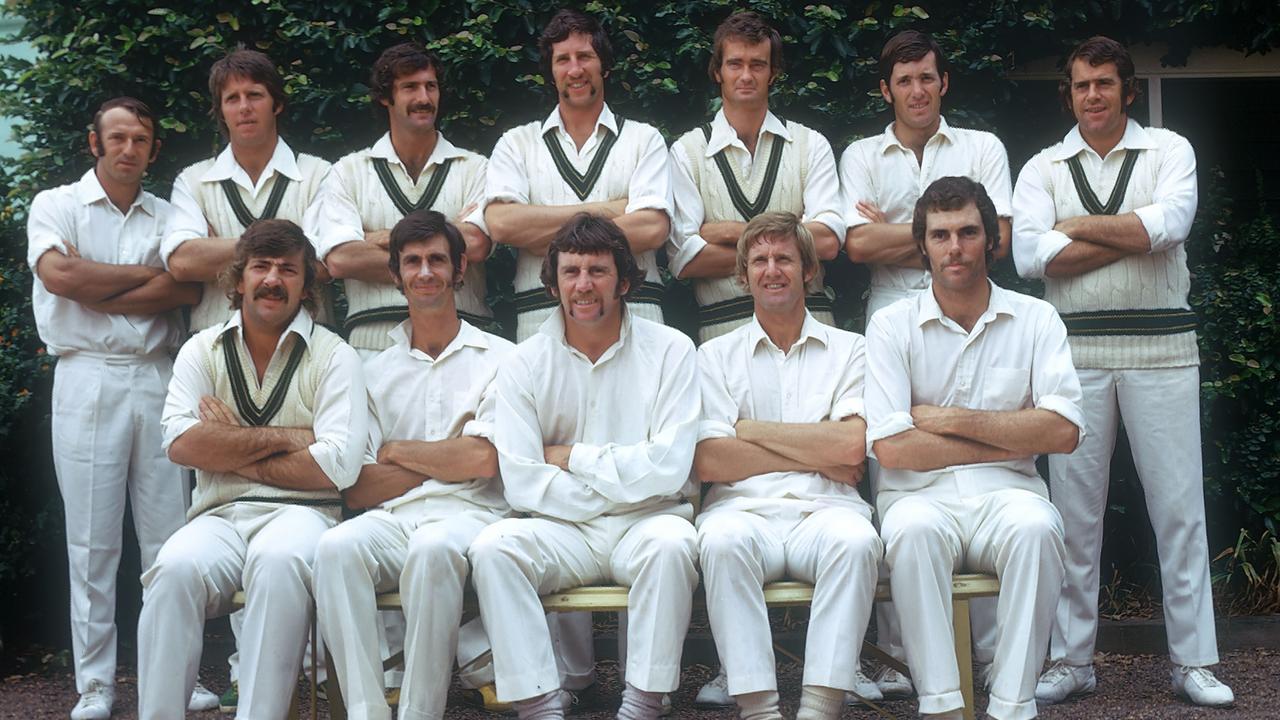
631 418
822 202
1015 357
413 396
343 194
189 219
339 410
744 376
1167 218
80 215
884 172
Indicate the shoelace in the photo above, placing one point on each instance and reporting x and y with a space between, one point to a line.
1202 676
1058 672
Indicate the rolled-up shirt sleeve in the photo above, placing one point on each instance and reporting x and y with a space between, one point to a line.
1035 242
822 202
341 418
994 175
719 409
46 229
1055 386
186 222
187 385
481 424
686 240
888 384
850 392
374 442
528 481
1168 218
337 217
660 465
650 186
855 186
475 198
505 180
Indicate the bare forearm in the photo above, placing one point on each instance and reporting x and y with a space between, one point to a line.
824 240
160 294
86 281
726 460
453 460
219 447
478 244
1026 432
645 229
360 260
1080 257
724 233
883 244
531 227
297 470
1121 232
922 451
202 259
378 484
820 444
712 261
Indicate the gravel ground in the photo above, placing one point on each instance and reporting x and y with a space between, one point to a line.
1130 686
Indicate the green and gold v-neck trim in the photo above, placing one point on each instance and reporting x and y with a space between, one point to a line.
399 199
582 184
748 209
241 390
1089 199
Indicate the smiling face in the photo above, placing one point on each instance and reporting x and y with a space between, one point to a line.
415 102
577 72
124 148
745 73
956 245
1099 102
249 112
427 275
915 91
272 288
775 274
589 290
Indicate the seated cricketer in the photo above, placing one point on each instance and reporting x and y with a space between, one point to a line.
430 479
596 422
966 383
782 441
269 408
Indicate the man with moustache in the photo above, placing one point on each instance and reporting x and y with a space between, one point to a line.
966 383
257 176
782 444
881 178
1116 270
747 161
105 307
582 158
413 166
595 428
429 484
269 408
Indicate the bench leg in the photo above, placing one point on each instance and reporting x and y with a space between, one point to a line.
964 653
315 664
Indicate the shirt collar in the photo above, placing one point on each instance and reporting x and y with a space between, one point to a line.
89 191
889 140
555 122
810 330
302 325
997 304
444 150
468 336
723 135
553 327
283 160
1135 137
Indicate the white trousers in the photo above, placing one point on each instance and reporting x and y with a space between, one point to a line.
268 550
516 560
1015 534
836 549
424 554
106 446
1161 414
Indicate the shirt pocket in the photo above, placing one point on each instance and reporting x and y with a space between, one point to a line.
1006 389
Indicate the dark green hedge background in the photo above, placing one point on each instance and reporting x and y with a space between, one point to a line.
95 49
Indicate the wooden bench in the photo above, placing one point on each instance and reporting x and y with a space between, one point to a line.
778 594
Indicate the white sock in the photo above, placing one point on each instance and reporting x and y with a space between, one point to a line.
639 704
761 705
542 707
820 703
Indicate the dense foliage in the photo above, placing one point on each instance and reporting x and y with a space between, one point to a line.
161 52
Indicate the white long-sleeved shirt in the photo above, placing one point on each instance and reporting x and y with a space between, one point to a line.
1016 357
744 376
413 396
81 216
631 419
884 172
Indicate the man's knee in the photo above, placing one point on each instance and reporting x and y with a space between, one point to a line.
433 553
498 548
725 538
